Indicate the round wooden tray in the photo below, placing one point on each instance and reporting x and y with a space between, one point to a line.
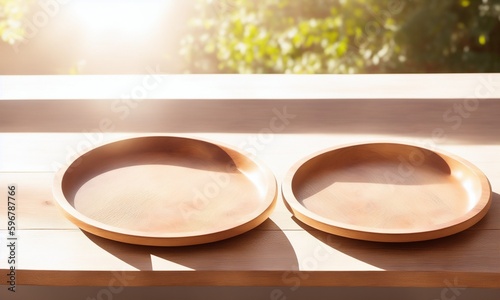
165 191
386 192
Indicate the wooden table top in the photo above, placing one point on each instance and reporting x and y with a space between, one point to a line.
40 133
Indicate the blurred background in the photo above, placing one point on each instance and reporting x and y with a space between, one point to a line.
243 36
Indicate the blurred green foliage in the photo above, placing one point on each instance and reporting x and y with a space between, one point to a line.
11 15
343 36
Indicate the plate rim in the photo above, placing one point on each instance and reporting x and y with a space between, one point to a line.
115 233
300 212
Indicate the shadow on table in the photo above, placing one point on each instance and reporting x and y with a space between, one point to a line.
415 118
475 249
258 249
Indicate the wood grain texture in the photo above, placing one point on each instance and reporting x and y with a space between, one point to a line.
39 210
282 257
387 192
352 105
445 120
278 244
38 136
264 278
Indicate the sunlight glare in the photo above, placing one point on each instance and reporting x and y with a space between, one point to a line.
128 16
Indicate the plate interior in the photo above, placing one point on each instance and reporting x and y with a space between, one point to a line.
386 188
167 187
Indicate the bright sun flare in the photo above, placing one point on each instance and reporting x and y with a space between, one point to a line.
132 17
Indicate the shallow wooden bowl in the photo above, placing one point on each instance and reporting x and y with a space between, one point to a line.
386 192
165 191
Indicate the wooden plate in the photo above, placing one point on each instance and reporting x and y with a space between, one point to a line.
386 192
165 191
